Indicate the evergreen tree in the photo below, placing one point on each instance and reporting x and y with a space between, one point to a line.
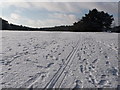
94 21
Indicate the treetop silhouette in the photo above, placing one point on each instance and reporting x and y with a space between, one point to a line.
94 21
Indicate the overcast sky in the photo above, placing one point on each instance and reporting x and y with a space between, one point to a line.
51 13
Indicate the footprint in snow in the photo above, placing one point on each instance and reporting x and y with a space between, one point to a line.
78 85
107 62
95 61
49 65
113 71
102 82
103 76
39 66
81 68
59 54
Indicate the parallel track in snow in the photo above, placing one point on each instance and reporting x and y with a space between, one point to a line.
57 79
59 75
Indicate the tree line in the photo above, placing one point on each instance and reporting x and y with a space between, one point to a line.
94 21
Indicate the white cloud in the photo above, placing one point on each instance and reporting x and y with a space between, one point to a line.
16 4
70 18
61 17
51 6
63 7
15 16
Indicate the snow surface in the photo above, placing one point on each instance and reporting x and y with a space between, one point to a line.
59 60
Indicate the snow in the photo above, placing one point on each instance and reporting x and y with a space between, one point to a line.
59 59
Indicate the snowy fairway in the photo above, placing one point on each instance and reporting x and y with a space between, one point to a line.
59 60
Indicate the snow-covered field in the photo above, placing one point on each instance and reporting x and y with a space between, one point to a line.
59 60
